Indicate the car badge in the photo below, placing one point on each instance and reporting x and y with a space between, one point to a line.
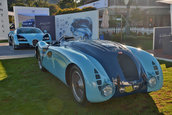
120 53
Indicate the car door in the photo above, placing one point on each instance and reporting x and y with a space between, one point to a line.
56 62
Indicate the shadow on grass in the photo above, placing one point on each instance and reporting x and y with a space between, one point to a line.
28 90
167 64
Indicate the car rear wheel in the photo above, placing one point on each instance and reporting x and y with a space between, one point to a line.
78 85
40 62
10 44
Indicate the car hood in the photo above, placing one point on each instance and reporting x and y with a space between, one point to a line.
116 59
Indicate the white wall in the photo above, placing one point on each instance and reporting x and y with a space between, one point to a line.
4 21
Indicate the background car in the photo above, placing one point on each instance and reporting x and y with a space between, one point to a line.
27 37
12 26
97 70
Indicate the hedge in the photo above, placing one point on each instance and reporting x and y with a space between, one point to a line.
74 10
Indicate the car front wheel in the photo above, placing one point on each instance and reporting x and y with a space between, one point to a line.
78 85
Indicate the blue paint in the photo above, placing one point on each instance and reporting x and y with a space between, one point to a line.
101 56
82 28
29 35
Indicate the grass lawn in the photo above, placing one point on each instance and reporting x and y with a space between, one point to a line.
3 41
142 42
28 91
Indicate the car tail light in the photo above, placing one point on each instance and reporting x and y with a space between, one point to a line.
46 37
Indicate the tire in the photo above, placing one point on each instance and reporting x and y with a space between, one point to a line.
77 85
40 62
10 44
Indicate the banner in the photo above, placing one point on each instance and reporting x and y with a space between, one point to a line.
25 16
46 23
83 25
158 35
4 21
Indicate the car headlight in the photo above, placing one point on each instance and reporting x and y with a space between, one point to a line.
152 82
107 90
46 38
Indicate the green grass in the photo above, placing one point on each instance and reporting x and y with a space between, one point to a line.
3 41
27 90
142 42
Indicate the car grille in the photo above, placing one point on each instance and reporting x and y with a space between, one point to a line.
128 67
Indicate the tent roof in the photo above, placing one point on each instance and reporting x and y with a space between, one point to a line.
166 1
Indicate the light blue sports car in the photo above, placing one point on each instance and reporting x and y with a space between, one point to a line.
27 36
97 70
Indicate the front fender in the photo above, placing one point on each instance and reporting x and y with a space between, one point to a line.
87 65
147 61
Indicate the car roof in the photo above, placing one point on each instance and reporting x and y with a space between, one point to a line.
28 28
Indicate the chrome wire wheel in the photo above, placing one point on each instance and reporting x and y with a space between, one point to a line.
78 86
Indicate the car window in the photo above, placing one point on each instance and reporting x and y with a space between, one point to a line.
28 30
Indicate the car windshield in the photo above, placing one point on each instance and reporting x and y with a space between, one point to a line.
28 30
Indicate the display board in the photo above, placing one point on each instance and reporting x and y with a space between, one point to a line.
46 23
25 16
83 25
4 21
159 34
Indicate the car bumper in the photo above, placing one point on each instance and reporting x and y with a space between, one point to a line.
27 44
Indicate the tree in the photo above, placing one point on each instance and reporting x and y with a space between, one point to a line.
41 3
53 9
12 3
137 16
29 3
81 2
67 4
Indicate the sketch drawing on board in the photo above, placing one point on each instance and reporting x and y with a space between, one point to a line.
82 28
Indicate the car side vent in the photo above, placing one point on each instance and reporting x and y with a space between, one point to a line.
98 78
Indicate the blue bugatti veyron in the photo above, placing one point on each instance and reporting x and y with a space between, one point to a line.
27 36
97 70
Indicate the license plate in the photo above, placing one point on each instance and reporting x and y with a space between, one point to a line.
128 89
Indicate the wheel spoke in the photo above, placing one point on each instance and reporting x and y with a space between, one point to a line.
77 86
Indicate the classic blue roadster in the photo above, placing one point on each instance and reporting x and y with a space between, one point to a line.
97 70
26 37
